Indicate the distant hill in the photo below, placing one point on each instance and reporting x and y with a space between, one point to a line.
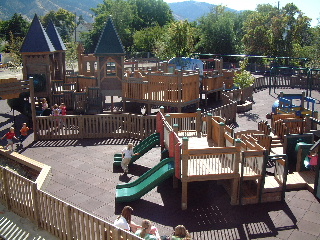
190 10
28 8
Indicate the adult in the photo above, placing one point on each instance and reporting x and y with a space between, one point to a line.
124 220
180 233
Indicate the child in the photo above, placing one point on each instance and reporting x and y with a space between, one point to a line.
127 154
23 132
10 135
63 109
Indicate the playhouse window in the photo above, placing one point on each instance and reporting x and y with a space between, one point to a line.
111 69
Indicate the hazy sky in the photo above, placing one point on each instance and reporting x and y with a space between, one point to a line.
310 8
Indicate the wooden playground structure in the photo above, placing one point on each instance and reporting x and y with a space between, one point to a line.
202 143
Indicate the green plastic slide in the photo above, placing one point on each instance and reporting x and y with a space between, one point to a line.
142 148
135 190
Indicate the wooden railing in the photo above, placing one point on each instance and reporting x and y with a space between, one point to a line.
162 88
95 126
228 111
264 127
186 124
82 82
11 88
290 126
59 218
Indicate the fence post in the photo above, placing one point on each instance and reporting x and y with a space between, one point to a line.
221 142
6 187
167 118
33 110
176 128
198 123
81 127
185 158
308 123
162 110
235 189
67 209
209 126
36 209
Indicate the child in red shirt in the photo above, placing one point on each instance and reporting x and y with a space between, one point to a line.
10 135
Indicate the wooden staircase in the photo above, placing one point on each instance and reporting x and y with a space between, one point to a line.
276 142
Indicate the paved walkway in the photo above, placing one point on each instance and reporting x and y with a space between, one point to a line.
83 175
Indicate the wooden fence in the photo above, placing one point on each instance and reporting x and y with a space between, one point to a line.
287 81
162 88
61 219
95 126
11 88
228 111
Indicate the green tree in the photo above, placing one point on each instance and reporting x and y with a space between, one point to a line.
178 40
63 20
16 26
243 79
128 16
145 40
13 48
216 32
122 15
150 13
273 31
71 54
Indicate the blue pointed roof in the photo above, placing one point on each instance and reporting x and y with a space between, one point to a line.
37 39
109 42
55 37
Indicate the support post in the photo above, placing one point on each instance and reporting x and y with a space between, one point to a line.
221 142
162 110
184 178
308 123
198 123
33 110
209 126
176 128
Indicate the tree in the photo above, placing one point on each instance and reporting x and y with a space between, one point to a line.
13 48
16 26
63 20
71 54
122 15
178 40
128 17
149 13
145 40
243 78
273 31
216 32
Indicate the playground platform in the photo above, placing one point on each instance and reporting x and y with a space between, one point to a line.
83 175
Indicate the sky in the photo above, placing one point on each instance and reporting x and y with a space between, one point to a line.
310 8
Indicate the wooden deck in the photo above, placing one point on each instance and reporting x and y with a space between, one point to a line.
298 180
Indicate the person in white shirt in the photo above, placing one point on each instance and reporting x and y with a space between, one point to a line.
127 154
124 220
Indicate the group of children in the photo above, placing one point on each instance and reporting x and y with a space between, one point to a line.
146 230
11 135
56 109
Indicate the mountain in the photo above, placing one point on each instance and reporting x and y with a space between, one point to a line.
28 8
190 10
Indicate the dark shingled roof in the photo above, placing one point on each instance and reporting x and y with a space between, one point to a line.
55 37
109 42
37 39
